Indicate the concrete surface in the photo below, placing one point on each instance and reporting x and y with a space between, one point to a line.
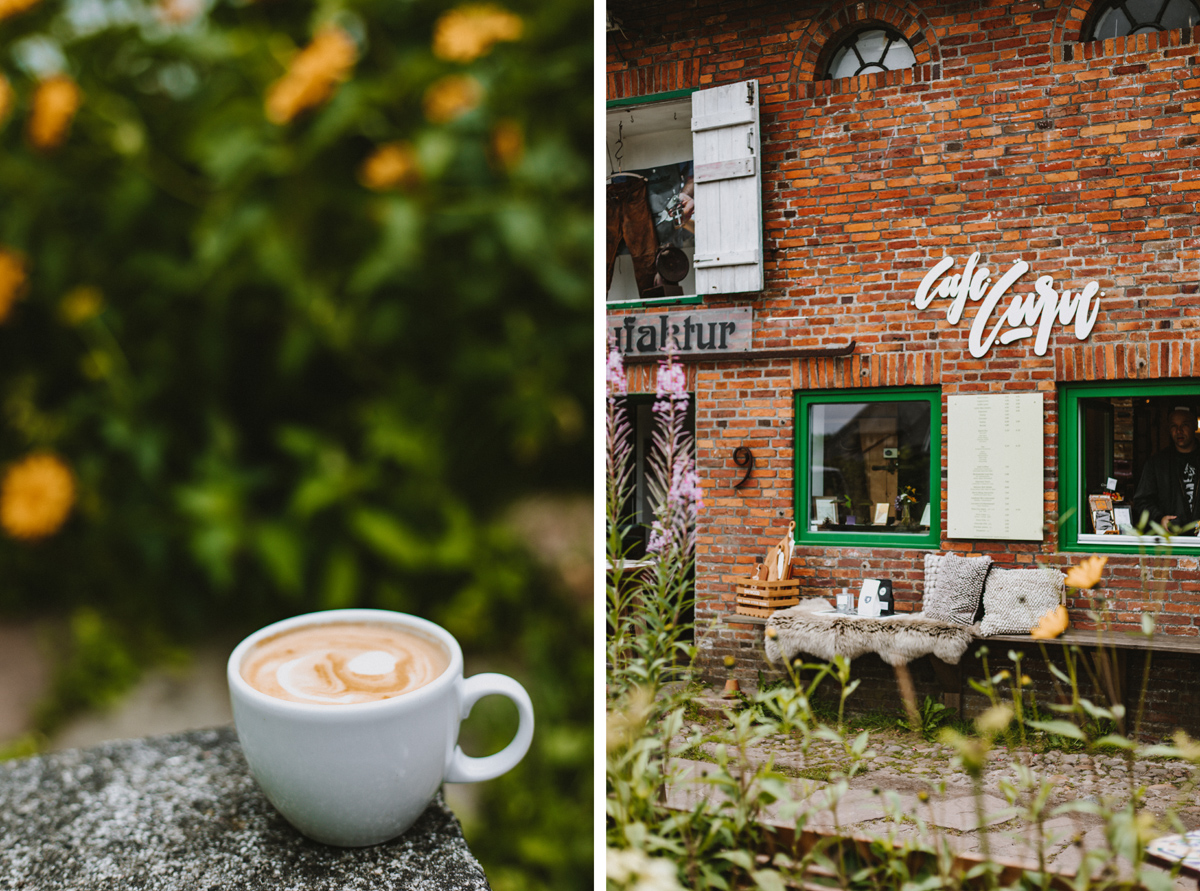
181 812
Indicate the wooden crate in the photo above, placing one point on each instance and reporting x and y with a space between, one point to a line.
756 597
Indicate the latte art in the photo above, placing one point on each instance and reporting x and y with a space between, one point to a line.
341 664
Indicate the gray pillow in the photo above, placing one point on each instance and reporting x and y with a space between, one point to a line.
1015 599
957 588
932 562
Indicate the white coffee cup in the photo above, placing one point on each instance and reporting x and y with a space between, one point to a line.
360 774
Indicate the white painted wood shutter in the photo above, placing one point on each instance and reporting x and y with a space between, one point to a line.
728 176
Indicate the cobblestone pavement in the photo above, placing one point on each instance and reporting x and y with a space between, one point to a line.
909 788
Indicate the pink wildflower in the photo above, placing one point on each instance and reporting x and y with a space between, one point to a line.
684 499
672 384
615 369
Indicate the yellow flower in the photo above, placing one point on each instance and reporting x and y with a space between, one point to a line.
390 166
313 75
55 102
1051 625
80 304
36 496
508 144
730 662
9 8
466 33
8 98
1087 573
452 97
12 281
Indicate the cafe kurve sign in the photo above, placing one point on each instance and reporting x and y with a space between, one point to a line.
1016 321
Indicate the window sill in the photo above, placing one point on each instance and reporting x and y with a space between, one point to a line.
1126 544
914 540
682 300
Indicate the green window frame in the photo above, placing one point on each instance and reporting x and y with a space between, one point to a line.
1071 459
805 535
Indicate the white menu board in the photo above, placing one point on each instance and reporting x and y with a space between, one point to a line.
994 462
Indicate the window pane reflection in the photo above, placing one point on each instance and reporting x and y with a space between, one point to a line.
1118 437
869 468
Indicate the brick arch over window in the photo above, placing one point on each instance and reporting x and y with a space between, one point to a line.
1073 25
1068 24
823 36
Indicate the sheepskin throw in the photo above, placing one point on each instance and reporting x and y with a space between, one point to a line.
1016 599
897 639
957 588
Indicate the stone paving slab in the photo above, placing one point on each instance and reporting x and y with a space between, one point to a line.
960 812
936 802
180 813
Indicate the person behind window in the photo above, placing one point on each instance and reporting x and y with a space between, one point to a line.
1167 488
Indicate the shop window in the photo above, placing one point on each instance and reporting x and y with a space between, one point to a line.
871 51
869 467
1125 450
1143 17
684 195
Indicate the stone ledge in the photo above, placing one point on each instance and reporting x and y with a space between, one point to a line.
181 812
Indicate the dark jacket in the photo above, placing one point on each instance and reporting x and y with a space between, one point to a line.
1160 489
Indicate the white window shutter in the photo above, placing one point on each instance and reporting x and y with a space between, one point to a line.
728 176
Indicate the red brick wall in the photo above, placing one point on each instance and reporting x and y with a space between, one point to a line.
1010 138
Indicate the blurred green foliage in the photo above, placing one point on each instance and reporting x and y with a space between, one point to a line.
296 392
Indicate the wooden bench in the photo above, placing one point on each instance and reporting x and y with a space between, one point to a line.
1107 651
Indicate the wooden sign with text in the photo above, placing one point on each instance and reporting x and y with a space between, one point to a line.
683 330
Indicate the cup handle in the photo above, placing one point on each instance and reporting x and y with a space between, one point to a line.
465 769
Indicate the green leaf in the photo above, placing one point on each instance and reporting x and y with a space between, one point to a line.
739 858
1059 673
280 551
1119 742
1058 728
768 880
340 588
385 535
1094 711
398 249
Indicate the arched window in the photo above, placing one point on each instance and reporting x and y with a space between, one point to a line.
1126 17
875 49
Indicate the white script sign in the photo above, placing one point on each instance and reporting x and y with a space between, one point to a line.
1042 308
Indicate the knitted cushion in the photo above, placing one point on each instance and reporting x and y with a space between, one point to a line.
932 562
1016 599
957 587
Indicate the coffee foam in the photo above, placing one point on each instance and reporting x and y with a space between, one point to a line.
343 663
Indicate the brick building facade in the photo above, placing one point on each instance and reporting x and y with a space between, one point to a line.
1013 136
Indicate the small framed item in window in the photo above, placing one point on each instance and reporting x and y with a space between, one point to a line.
1103 522
824 512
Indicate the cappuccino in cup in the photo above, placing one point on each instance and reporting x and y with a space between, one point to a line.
342 663
349 720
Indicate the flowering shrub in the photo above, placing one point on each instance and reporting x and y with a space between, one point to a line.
298 346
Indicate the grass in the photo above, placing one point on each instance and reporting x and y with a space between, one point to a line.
696 753
820 774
